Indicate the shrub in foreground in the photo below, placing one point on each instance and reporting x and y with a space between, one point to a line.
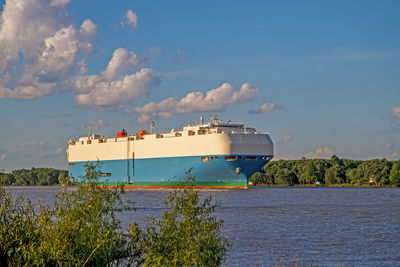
82 228
187 234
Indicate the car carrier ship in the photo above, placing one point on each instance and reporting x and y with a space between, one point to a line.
218 155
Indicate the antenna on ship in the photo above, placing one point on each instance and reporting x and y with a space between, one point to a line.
201 119
152 127
214 119
90 131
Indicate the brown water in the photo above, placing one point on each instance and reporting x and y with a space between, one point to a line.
342 226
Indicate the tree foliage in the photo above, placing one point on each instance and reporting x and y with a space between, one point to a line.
327 171
35 176
187 234
394 176
82 228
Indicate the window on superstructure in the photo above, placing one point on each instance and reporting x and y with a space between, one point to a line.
200 132
72 164
89 141
106 174
230 158
251 158
190 133
204 159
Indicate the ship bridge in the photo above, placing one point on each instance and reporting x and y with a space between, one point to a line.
217 126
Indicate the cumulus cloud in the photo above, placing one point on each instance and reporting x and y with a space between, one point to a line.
214 100
95 125
325 152
112 88
32 144
121 60
396 111
3 156
88 30
131 19
96 91
266 108
39 47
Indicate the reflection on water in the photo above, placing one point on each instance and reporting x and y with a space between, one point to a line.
346 226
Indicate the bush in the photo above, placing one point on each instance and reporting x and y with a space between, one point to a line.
83 229
186 235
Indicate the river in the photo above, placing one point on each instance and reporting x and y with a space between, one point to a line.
337 226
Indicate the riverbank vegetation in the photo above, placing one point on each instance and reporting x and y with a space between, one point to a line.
82 228
35 176
333 171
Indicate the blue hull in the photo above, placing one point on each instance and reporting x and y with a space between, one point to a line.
174 169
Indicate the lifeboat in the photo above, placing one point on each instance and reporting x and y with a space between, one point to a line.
122 133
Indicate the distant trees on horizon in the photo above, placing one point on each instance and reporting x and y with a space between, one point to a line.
304 171
34 176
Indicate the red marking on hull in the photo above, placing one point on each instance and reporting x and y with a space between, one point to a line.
171 187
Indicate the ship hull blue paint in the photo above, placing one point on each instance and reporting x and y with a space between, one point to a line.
174 169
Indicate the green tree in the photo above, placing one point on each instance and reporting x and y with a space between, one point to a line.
187 234
395 174
310 172
330 176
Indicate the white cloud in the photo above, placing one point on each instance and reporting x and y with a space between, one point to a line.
131 19
121 60
95 125
395 155
266 108
325 152
88 30
3 156
32 144
110 89
396 111
95 91
214 100
39 47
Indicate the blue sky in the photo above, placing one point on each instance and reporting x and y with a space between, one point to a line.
322 77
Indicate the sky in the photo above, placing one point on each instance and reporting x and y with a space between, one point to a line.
322 77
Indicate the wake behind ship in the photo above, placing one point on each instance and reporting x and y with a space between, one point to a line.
218 154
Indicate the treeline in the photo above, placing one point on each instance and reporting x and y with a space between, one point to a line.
380 172
34 176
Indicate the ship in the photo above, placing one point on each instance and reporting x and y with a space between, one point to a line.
217 154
